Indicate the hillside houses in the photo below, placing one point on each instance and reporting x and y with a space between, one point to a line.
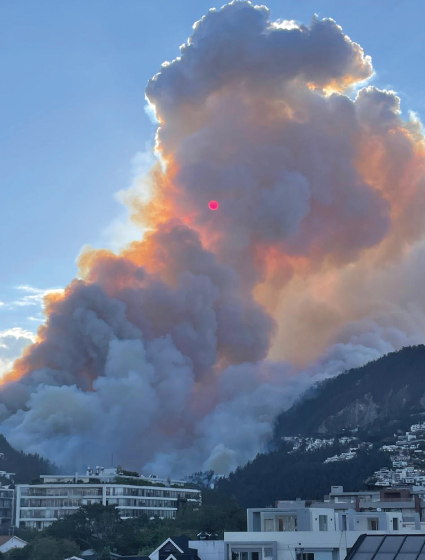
407 459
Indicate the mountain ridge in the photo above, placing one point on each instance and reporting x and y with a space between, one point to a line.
388 390
369 404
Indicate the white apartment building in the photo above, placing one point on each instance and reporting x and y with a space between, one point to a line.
7 495
310 533
38 505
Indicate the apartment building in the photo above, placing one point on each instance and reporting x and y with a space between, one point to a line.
7 495
38 505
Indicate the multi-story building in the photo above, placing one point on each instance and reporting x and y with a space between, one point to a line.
38 505
408 501
297 532
326 519
405 500
7 495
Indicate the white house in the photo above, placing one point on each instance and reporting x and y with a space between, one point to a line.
7 542
302 533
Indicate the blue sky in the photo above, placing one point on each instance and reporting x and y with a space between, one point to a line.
72 116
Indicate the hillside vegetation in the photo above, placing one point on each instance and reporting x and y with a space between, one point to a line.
26 466
282 475
378 398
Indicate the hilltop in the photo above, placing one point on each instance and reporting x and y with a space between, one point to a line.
377 399
335 433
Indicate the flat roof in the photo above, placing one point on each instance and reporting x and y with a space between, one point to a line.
388 547
101 484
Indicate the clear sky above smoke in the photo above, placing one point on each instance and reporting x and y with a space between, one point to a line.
312 264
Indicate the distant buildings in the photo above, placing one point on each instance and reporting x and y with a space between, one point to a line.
407 456
409 502
38 505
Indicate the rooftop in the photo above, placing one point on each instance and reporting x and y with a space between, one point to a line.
388 547
113 475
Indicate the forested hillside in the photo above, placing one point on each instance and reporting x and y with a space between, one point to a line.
25 466
281 475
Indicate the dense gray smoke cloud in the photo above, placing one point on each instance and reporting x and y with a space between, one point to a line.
178 353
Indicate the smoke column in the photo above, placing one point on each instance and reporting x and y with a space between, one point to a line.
178 353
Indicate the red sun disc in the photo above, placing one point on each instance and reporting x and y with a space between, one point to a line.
213 205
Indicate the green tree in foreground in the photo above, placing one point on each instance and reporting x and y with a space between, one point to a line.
93 526
100 527
18 553
53 549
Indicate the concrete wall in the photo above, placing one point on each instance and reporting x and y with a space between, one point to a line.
329 545
315 520
359 521
287 544
209 550
307 518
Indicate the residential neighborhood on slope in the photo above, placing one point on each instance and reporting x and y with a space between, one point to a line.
311 444
407 454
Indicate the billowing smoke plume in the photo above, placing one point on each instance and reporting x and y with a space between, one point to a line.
178 353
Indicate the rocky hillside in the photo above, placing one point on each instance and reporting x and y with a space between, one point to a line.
376 399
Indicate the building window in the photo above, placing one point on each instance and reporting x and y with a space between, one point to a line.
240 556
305 555
372 524
287 523
395 523
323 522
268 525
344 522
246 555
268 553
